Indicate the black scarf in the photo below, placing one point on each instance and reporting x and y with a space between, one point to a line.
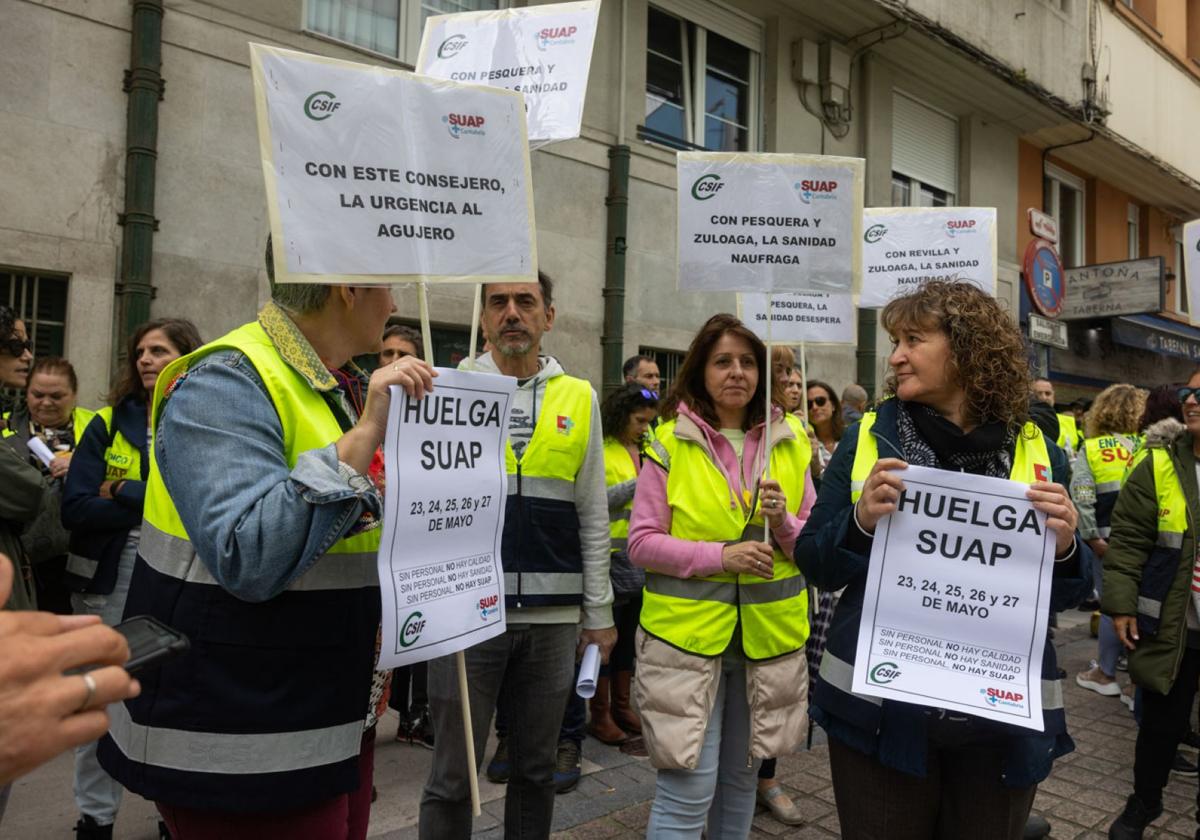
928 439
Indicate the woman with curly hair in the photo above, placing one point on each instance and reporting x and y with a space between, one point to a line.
959 401
1110 440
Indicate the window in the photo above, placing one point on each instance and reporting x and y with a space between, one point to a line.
924 154
668 361
907 192
701 87
1063 198
1132 230
390 27
41 302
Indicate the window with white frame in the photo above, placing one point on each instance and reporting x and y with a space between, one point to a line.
40 300
1063 197
389 27
924 154
1133 230
702 77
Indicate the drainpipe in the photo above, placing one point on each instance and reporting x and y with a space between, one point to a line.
144 84
617 201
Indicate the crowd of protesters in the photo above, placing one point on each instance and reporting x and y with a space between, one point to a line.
233 491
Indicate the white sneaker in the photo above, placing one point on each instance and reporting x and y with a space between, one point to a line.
1096 680
1127 696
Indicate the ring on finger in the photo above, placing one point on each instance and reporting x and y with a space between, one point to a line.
89 682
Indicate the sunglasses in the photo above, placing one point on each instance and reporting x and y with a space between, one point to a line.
650 395
819 402
15 347
1184 393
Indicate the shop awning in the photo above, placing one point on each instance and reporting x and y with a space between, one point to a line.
1158 335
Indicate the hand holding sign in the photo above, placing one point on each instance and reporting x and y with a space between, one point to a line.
749 558
358 445
881 491
1061 517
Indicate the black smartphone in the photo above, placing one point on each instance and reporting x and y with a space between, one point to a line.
150 642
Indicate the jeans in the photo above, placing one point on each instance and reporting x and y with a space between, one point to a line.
1110 647
534 663
720 791
97 794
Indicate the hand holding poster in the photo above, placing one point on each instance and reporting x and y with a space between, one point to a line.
904 246
1191 264
544 52
439 562
768 222
809 317
377 176
956 599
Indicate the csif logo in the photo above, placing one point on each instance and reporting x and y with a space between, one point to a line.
707 186
320 105
957 226
874 233
884 673
553 36
489 606
810 191
452 46
410 631
460 124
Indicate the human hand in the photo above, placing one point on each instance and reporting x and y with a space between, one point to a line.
772 502
1099 546
881 493
59 466
604 638
43 711
106 489
357 446
1127 632
749 558
1061 517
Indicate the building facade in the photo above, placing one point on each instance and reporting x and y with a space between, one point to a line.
948 102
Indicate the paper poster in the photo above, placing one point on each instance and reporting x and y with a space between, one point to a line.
1191 261
903 247
378 176
440 572
954 614
768 222
809 317
543 52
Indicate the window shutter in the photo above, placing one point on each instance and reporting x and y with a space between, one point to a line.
715 17
924 143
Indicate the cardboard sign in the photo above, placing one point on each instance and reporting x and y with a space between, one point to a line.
543 52
903 247
377 176
954 613
440 573
768 222
808 317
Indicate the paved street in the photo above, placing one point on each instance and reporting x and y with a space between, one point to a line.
1085 792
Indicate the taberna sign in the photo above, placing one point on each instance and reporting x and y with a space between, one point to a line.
1128 287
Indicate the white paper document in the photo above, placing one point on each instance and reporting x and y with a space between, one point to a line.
440 573
954 614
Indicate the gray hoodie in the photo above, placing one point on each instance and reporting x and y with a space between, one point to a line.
591 501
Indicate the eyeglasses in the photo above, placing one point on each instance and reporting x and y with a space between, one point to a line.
1185 392
650 395
15 347
819 402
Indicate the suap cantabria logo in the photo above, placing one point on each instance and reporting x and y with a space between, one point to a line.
874 233
884 673
320 105
460 124
706 186
810 191
555 36
452 46
955 227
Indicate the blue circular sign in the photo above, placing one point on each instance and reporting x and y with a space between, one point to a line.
1044 278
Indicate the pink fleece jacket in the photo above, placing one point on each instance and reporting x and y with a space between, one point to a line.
651 545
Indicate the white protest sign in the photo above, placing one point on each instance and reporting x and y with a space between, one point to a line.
1191 265
903 247
377 176
768 222
544 52
439 562
958 590
809 317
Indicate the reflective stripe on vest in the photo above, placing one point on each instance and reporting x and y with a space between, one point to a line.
700 614
618 469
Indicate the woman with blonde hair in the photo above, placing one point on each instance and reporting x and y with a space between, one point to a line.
959 401
1110 441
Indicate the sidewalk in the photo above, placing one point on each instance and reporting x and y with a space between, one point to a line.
1084 794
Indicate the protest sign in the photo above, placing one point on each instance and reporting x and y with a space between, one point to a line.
377 176
439 562
954 614
904 246
1191 265
802 317
768 222
544 52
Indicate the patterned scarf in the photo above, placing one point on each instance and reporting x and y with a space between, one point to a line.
929 440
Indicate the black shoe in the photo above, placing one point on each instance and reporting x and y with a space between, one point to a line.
421 727
404 727
163 832
499 767
1192 739
1090 605
567 768
1036 828
1182 767
1134 819
88 829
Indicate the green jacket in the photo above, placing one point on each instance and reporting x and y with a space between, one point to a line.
1154 663
21 495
